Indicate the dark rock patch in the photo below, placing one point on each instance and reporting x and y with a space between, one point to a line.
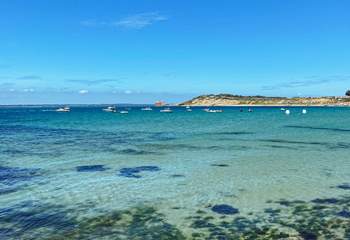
177 175
307 235
31 216
328 145
91 168
224 209
233 133
134 172
13 175
319 128
326 200
219 165
281 147
344 186
130 151
344 214
7 190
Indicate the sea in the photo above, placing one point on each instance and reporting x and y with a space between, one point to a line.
236 174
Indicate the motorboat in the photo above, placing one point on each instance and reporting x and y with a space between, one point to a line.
63 109
304 111
166 110
110 109
212 110
146 109
124 112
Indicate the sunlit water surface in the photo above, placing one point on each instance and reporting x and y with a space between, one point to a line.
68 172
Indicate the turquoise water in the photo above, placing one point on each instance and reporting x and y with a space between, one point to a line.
89 174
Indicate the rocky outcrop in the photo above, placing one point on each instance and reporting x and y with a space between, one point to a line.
237 100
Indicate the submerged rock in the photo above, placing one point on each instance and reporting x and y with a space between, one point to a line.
344 186
130 151
326 201
177 175
133 172
13 175
91 168
219 165
344 214
224 209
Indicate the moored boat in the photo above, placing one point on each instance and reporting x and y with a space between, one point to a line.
188 109
110 109
146 109
166 110
212 110
63 109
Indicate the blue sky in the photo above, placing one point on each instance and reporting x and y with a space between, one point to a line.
65 51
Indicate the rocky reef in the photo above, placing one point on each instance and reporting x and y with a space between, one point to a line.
320 218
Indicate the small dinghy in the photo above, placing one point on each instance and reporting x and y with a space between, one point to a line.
166 110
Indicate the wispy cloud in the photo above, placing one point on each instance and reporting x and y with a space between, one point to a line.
29 77
136 21
91 82
29 90
7 86
307 82
141 20
83 91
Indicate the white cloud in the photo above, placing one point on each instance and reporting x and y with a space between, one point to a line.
28 90
141 20
83 91
127 91
136 21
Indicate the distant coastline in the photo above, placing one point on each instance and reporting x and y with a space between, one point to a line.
237 100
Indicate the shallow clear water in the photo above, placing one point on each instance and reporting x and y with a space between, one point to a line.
58 170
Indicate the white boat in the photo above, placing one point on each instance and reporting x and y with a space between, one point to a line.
63 109
287 111
283 109
146 109
166 110
188 109
124 112
213 110
304 111
110 109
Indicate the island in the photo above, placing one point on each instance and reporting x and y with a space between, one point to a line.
238 100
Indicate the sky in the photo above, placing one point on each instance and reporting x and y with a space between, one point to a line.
124 51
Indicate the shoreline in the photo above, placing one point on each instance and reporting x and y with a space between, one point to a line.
254 101
263 105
